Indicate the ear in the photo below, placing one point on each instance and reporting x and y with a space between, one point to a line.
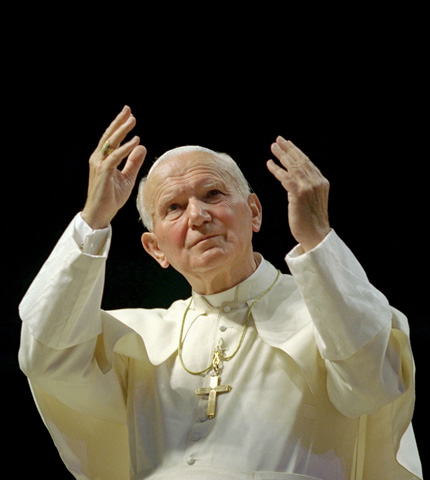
256 211
150 244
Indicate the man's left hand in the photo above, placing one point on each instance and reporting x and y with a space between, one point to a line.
307 193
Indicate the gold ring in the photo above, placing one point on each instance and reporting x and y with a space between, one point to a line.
107 149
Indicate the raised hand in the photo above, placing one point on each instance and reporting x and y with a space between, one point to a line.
307 193
109 187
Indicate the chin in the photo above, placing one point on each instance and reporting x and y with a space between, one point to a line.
209 259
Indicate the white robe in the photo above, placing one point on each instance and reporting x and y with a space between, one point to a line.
322 386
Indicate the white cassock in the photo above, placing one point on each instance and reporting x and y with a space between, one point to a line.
322 384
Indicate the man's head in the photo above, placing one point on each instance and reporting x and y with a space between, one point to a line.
226 162
200 214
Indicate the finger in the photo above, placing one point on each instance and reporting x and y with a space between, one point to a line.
289 147
296 162
118 155
121 132
291 163
134 162
120 119
281 153
287 180
296 155
287 153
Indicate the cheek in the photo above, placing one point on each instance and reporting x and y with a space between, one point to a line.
238 224
172 239
238 214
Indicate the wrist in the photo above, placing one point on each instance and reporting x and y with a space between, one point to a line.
314 240
95 222
92 242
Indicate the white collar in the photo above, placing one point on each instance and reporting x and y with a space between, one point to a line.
241 294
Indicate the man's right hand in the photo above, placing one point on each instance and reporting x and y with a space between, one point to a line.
109 188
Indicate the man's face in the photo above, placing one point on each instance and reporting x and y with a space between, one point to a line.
201 221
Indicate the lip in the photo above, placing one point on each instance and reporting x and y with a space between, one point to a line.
202 239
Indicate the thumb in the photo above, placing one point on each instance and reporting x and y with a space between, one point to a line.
134 162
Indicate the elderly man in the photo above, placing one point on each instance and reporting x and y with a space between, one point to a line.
258 375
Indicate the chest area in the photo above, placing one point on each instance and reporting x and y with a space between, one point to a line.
249 373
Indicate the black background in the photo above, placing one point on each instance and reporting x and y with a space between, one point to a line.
348 87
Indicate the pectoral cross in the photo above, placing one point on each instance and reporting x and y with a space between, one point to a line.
214 385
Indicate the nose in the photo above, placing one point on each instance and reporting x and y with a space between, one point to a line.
198 213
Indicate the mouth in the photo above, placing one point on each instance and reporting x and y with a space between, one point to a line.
203 239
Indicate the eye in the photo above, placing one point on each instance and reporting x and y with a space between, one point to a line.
173 207
213 193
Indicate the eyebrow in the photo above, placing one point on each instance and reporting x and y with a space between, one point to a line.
166 199
212 184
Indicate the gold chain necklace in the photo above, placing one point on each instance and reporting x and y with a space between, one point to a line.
215 388
218 352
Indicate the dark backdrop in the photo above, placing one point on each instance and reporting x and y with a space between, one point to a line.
347 87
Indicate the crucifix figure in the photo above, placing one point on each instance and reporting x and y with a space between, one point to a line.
214 386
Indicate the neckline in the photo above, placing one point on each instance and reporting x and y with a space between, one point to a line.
242 293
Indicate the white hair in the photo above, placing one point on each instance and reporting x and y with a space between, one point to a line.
229 164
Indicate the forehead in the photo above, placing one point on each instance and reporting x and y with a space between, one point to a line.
187 169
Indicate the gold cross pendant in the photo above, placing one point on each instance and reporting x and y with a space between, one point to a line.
212 392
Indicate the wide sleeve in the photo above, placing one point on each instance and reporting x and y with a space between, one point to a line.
61 307
365 345
62 347
363 341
